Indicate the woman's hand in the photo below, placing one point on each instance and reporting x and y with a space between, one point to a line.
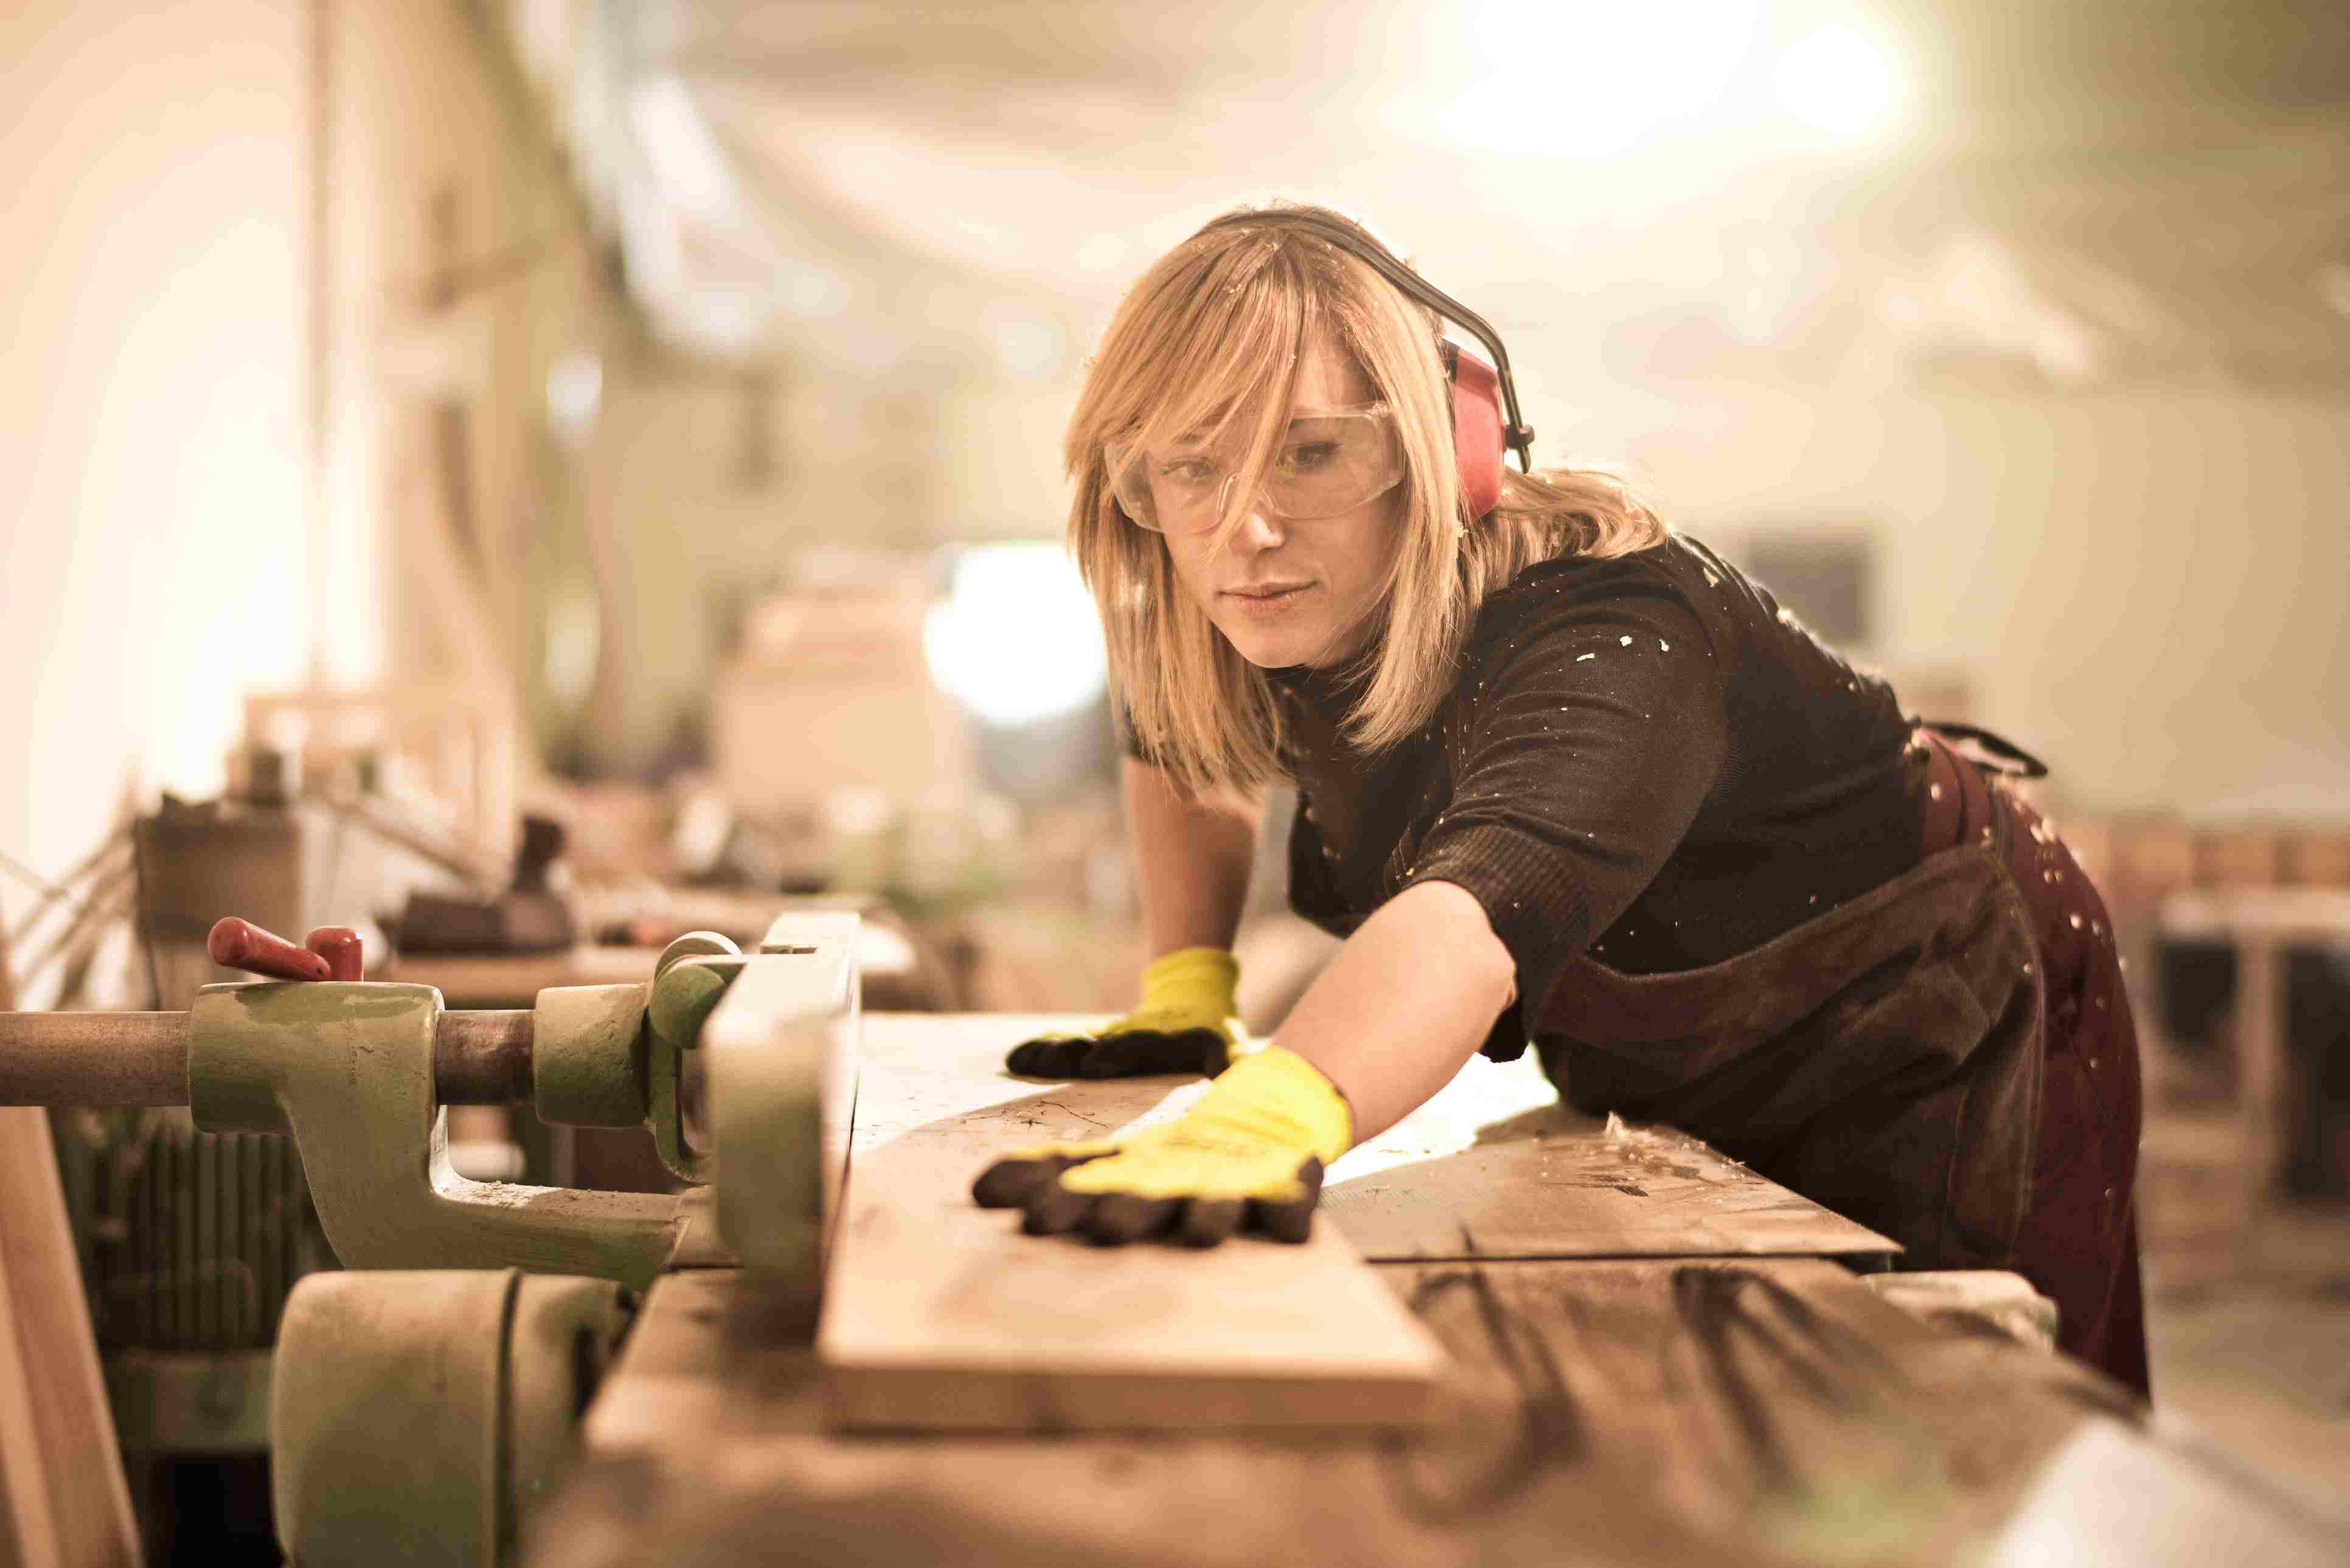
1250 1153
1187 1021
1409 999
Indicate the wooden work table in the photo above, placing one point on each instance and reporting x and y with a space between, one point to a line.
1654 1358
2261 925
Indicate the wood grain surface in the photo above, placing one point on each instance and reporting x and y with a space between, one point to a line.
1766 1411
940 1314
1494 1167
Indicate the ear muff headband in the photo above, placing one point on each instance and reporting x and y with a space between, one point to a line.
1479 433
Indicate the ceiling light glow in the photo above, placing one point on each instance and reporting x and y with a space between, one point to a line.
1590 79
1838 80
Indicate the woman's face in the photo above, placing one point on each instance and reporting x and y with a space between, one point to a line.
1289 591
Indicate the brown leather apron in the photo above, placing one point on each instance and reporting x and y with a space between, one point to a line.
1889 1059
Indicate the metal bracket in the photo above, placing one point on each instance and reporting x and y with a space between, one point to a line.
347 1068
781 1082
688 985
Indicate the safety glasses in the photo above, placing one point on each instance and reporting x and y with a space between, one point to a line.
1328 463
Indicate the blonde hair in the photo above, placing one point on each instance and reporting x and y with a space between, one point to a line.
1209 338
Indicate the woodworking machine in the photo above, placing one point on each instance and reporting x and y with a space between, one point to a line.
424 1397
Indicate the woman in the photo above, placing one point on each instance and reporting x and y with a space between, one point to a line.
1565 779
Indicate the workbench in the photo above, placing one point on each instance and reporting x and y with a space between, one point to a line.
1656 1356
2260 925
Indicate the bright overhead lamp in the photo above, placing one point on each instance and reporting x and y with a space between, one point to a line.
1587 79
1017 640
1839 79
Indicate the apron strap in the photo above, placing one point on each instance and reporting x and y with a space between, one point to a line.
2005 755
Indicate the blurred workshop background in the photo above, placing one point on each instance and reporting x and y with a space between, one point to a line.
529 477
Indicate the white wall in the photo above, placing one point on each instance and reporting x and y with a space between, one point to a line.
2148 586
156 555
163 555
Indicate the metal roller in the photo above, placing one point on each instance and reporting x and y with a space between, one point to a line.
124 1059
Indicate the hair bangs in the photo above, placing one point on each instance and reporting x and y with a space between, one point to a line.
1235 371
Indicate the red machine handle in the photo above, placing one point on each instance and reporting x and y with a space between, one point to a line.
339 945
329 952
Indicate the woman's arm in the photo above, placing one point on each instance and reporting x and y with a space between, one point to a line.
1192 856
1410 997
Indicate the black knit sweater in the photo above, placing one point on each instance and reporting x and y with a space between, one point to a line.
1643 756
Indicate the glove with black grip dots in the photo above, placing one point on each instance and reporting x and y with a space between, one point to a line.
1187 1021
1250 1154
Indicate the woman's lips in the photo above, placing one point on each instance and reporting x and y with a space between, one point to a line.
1262 602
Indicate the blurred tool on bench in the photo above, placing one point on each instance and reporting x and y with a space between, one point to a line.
527 917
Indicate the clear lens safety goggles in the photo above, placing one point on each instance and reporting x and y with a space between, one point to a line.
1326 464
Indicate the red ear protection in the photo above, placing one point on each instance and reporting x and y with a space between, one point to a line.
1477 427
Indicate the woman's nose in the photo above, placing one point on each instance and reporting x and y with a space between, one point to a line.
1259 529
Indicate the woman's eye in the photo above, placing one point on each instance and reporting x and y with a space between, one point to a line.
1187 470
1310 456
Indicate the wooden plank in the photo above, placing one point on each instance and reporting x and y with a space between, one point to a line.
28 1525
940 1314
89 1502
1767 1411
1494 1167
2311 915
28 1531
63 1498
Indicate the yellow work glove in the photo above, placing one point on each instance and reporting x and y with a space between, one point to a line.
1250 1153
1188 1021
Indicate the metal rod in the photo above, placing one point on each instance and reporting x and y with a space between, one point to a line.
94 1058
142 1058
485 1058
